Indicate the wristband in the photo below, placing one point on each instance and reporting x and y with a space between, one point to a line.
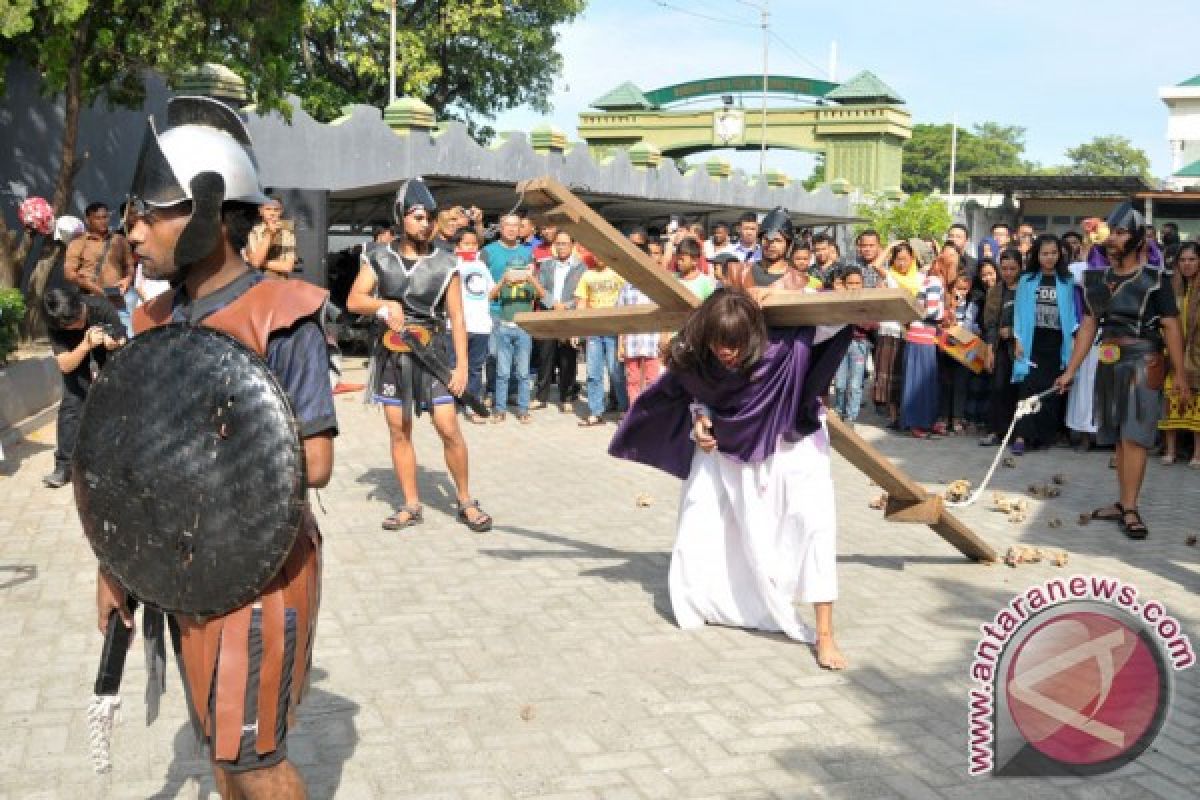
383 312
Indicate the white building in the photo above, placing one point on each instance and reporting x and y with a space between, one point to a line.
1183 132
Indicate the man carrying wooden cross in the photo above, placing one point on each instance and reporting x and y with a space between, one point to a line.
738 416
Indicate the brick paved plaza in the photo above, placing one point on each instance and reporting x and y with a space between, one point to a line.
541 660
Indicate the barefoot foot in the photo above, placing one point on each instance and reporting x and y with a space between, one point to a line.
828 654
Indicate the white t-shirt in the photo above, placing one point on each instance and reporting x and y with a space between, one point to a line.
477 283
711 251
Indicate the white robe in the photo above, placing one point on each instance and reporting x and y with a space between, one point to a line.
1079 401
754 540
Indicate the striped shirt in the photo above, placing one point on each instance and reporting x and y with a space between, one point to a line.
931 301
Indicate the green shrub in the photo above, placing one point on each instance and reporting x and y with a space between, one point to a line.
917 215
12 311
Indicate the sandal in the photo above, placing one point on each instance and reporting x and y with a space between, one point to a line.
498 417
1137 528
473 418
1168 459
524 419
1111 513
483 520
395 522
590 422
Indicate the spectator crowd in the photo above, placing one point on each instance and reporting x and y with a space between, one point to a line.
997 324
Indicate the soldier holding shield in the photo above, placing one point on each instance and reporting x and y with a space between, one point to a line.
175 522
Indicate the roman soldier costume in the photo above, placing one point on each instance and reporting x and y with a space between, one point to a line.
232 382
1128 309
397 376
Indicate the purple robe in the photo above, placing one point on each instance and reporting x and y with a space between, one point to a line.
782 398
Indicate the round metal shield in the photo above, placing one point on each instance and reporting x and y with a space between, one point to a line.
189 471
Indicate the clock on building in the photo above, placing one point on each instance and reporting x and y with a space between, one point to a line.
729 127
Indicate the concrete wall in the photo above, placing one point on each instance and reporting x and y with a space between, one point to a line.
355 152
31 130
27 387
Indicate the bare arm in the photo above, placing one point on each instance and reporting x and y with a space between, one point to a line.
1083 344
1173 333
458 334
318 459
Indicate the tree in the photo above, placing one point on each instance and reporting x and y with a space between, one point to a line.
1108 155
817 178
917 215
990 148
85 50
468 59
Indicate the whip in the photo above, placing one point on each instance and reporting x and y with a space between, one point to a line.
1030 405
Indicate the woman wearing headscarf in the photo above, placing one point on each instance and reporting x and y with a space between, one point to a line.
920 398
889 350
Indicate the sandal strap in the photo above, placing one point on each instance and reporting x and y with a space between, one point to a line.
414 512
472 503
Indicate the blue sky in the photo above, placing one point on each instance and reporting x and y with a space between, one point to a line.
1063 69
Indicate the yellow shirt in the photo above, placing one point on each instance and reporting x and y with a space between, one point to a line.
599 288
910 280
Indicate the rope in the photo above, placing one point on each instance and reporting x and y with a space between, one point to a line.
1030 405
101 716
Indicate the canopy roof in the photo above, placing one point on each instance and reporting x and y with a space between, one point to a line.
1060 185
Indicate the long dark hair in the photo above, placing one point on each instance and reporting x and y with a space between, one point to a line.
728 318
1034 267
1179 282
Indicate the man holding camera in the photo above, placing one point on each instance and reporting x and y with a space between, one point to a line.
83 329
516 292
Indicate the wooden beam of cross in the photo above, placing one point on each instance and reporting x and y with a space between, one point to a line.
908 501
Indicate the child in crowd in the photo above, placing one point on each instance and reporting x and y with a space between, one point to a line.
852 372
638 352
477 283
600 287
687 261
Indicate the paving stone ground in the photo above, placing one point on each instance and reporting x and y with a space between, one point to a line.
541 660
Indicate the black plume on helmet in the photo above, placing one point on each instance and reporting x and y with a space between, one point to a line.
778 221
1129 218
412 195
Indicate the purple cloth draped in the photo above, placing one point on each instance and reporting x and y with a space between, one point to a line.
782 398
1098 257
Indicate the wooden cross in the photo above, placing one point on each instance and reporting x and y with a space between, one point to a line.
908 501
